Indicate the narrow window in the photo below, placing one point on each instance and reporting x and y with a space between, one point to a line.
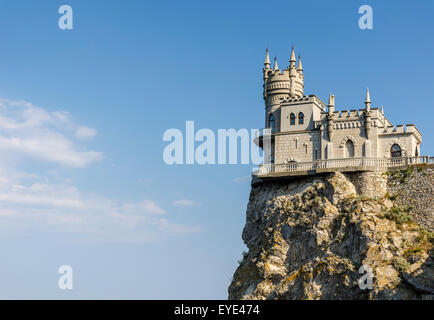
292 119
301 118
271 122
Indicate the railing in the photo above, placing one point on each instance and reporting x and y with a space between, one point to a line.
350 164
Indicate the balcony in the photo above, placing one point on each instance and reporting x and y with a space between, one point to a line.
341 165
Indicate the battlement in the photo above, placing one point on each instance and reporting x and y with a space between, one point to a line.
401 129
354 113
398 129
310 98
340 115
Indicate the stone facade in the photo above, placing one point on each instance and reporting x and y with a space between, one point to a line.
305 129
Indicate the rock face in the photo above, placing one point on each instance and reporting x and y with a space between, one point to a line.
308 238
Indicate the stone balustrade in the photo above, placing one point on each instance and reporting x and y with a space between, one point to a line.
342 165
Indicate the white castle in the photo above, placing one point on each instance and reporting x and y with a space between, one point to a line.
305 132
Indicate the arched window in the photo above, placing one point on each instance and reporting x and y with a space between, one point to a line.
300 118
395 151
316 154
349 147
417 152
292 119
271 122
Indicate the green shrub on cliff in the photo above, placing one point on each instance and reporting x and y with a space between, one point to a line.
399 214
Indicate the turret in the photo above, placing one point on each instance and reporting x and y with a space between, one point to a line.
282 83
267 60
368 114
368 100
292 59
331 104
299 67
292 73
330 117
266 66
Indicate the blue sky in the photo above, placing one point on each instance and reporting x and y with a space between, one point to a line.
83 112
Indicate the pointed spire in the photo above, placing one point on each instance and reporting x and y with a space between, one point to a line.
368 100
382 109
300 67
368 97
267 60
292 59
292 55
276 67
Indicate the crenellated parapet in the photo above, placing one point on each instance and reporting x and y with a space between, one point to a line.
303 99
402 129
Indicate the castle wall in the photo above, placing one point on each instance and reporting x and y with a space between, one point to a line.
297 146
299 142
309 110
407 142
342 133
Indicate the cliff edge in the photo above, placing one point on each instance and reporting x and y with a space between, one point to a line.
309 237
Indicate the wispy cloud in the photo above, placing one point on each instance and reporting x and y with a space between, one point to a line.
30 131
31 201
85 133
184 203
63 208
146 206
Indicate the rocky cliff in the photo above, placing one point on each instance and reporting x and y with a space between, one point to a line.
308 238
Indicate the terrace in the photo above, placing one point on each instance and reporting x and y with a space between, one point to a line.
340 165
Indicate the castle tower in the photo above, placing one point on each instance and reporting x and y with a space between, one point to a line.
280 85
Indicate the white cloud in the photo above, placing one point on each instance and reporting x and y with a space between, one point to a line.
184 203
84 133
30 131
147 206
64 209
51 147
31 201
